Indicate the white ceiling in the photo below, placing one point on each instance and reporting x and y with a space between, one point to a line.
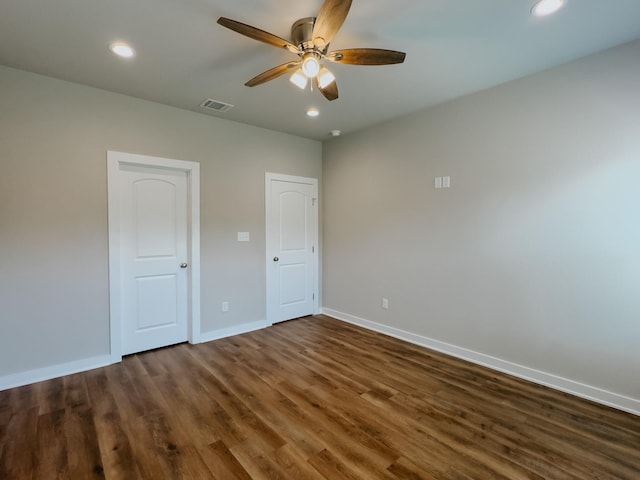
453 47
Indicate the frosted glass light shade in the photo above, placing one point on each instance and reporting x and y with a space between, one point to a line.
325 77
299 79
310 66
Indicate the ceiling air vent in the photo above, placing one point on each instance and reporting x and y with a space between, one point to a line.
215 105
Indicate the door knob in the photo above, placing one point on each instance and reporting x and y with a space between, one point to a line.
183 265
276 259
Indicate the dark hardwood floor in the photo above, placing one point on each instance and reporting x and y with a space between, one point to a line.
313 398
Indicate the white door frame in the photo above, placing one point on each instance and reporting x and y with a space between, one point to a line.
268 177
114 162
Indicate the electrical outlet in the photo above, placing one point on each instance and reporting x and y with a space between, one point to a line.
225 306
385 303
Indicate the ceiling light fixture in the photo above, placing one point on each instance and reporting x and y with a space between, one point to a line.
122 50
299 79
546 7
325 77
311 68
310 65
313 112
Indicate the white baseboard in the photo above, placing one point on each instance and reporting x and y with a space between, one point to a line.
55 371
231 331
595 394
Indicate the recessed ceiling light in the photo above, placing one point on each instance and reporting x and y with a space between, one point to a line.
122 50
546 7
313 112
336 133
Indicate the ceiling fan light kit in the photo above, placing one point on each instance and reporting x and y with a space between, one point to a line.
310 38
299 79
325 77
310 64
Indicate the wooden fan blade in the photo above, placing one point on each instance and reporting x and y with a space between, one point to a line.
330 18
272 73
330 92
366 56
257 34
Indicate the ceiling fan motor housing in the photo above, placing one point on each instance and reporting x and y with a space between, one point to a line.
302 33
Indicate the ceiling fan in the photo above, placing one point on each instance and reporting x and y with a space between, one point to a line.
310 38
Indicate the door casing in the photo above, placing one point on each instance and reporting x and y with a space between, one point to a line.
115 160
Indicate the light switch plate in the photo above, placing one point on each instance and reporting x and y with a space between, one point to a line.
244 236
438 182
446 182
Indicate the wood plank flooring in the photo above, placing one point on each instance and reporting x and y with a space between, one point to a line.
313 398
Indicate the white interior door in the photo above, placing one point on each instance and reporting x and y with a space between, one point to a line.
292 235
153 247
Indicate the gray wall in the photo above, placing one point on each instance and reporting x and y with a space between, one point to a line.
54 135
533 255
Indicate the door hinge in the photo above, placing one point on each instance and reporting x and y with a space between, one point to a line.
313 202
313 249
314 296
